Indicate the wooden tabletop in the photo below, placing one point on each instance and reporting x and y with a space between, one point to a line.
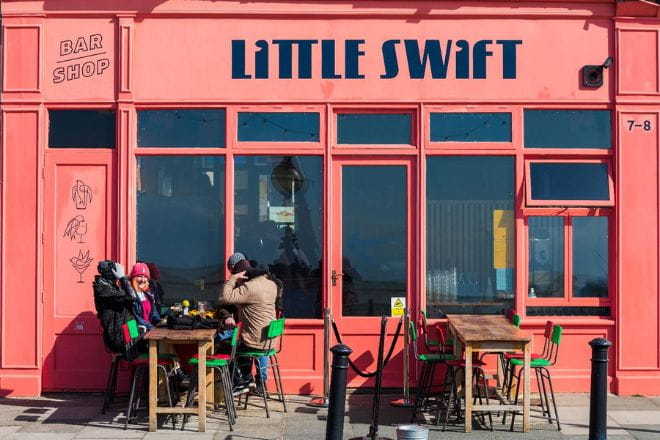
476 328
162 334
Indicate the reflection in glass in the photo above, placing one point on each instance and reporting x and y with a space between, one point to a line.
546 257
373 238
470 127
470 234
569 181
590 257
180 223
277 221
374 128
204 128
81 129
568 129
278 127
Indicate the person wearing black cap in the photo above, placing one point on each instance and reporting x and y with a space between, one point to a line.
255 292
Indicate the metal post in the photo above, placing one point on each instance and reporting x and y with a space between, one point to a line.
334 429
598 402
405 402
322 402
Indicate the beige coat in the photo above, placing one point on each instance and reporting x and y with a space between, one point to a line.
255 299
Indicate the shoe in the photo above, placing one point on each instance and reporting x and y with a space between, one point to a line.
257 391
252 386
239 390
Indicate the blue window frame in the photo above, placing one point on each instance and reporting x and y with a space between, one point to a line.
278 126
81 129
374 128
587 183
204 128
568 129
470 127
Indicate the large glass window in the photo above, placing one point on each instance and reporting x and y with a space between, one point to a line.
278 127
278 218
470 127
568 129
204 128
180 223
546 257
374 128
558 183
470 251
374 238
81 129
590 257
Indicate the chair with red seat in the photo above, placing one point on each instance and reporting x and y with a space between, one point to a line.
481 384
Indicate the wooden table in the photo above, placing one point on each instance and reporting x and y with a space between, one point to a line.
204 340
492 334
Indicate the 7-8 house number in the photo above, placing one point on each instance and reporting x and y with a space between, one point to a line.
639 125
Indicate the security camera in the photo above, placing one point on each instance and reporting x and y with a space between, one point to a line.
592 75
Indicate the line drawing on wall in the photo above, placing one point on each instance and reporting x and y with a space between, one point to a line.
81 194
76 228
81 262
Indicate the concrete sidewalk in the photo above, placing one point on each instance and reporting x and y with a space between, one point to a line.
77 416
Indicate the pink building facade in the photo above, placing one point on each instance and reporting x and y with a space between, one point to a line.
466 157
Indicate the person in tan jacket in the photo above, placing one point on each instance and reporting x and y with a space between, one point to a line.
256 293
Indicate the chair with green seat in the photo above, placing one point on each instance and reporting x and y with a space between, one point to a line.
222 363
275 331
430 344
540 366
429 362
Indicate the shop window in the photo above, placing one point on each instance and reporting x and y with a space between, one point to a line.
374 128
567 129
590 257
180 223
571 269
470 127
470 241
202 128
374 238
584 183
278 215
278 127
81 129
546 257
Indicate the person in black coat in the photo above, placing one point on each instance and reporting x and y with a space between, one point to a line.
114 298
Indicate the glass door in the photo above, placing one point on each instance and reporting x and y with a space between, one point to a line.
371 254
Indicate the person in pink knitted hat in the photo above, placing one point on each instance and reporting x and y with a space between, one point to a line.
144 308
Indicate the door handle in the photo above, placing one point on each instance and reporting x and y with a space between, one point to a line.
336 275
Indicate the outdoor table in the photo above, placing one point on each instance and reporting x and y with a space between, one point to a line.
491 334
204 340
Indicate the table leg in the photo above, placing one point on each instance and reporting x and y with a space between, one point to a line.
201 385
526 392
210 380
468 387
153 385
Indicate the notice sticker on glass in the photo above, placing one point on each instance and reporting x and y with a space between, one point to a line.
398 305
282 214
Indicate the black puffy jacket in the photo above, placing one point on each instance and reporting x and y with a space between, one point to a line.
114 308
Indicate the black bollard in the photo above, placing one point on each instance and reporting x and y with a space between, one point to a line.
598 402
334 428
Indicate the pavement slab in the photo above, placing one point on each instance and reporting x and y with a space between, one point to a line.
77 416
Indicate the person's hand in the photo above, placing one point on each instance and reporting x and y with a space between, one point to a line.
239 276
118 271
230 323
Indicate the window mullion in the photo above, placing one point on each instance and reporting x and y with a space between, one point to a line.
568 258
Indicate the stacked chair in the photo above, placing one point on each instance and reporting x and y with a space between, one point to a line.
221 363
540 366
